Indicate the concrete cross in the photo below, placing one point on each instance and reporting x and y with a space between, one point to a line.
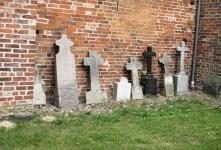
182 49
165 60
134 65
94 61
64 44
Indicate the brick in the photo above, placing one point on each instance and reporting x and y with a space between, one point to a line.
29 30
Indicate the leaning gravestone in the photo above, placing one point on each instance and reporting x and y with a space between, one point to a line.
66 83
151 82
122 90
39 89
168 78
181 79
134 65
95 95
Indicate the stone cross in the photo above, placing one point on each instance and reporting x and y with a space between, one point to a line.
95 95
66 84
181 79
94 61
182 49
39 97
165 60
134 65
149 54
168 78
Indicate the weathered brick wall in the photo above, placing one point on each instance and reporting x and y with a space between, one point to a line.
17 51
115 30
209 51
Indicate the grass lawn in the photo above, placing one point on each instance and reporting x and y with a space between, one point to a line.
183 125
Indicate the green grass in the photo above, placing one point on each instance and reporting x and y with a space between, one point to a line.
183 125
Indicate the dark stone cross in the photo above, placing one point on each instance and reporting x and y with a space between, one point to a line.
151 82
149 54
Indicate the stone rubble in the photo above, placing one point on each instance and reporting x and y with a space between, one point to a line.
7 124
108 107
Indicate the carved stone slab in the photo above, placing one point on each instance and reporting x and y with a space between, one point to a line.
122 90
66 83
95 95
39 89
168 78
134 65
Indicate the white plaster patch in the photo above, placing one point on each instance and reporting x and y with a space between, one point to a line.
88 5
171 18
91 26
89 13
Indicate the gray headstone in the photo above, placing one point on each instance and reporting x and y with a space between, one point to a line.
39 97
96 95
122 90
66 84
134 66
182 49
181 79
168 78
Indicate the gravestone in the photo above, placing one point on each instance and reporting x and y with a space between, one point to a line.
95 95
66 92
39 97
122 90
134 65
168 78
181 79
150 86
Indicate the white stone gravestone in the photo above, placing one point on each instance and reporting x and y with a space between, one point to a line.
39 97
134 65
181 79
122 90
66 84
96 95
168 78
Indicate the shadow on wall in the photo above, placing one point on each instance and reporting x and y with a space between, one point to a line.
212 84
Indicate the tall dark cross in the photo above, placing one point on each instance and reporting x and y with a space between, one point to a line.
149 54
150 86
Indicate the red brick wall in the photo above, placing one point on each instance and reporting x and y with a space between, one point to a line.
17 51
115 31
209 51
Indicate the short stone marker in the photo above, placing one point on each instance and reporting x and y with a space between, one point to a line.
95 95
168 78
181 79
66 84
39 89
134 65
122 90
151 82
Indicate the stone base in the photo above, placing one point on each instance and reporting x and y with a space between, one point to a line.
95 97
67 97
150 86
168 85
181 84
122 91
137 92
